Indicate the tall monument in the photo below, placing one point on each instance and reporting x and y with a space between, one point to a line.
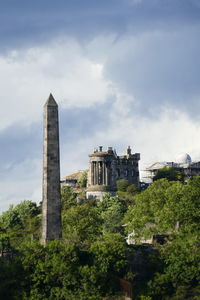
51 204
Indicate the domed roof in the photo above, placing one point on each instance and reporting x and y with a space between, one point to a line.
184 158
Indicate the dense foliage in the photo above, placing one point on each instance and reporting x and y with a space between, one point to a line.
82 181
93 255
170 174
173 209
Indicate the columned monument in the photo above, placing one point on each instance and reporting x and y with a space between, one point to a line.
106 167
51 204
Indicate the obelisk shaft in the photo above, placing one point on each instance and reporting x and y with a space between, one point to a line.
51 204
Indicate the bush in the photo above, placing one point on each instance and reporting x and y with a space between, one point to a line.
132 189
122 185
82 181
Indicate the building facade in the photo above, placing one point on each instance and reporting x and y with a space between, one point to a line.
71 180
106 167
183 164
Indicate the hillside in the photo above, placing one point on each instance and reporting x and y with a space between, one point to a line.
93 260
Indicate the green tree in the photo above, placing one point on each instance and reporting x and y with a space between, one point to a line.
171 207
110 254
10 218
21 223
81 223
64 271
27 208
155 210
82 181
12 278
122 185
170 174
68 197
132 189
4 242
17 215
51 271
111 211
181 275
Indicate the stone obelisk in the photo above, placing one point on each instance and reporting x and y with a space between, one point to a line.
51 204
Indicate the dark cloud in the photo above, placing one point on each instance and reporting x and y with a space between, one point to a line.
160 69
154 58
76 123
24 22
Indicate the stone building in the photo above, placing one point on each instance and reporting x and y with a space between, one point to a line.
106 167
183 163
71 180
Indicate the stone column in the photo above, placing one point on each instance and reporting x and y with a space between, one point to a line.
51 205
99 168
98 172
94 165
92 173
106 174
102 171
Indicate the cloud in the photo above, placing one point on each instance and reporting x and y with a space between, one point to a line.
20 164
22 183
159 69
18 143
158 139
156 69
28 23
27 77
135 1
114 90
109 124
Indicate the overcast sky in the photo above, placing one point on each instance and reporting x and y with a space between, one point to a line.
124 72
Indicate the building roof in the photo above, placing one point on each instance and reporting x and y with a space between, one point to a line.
73 176
159 165
184 161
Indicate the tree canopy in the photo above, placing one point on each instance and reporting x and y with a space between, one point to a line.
172 208
170 174
93 252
